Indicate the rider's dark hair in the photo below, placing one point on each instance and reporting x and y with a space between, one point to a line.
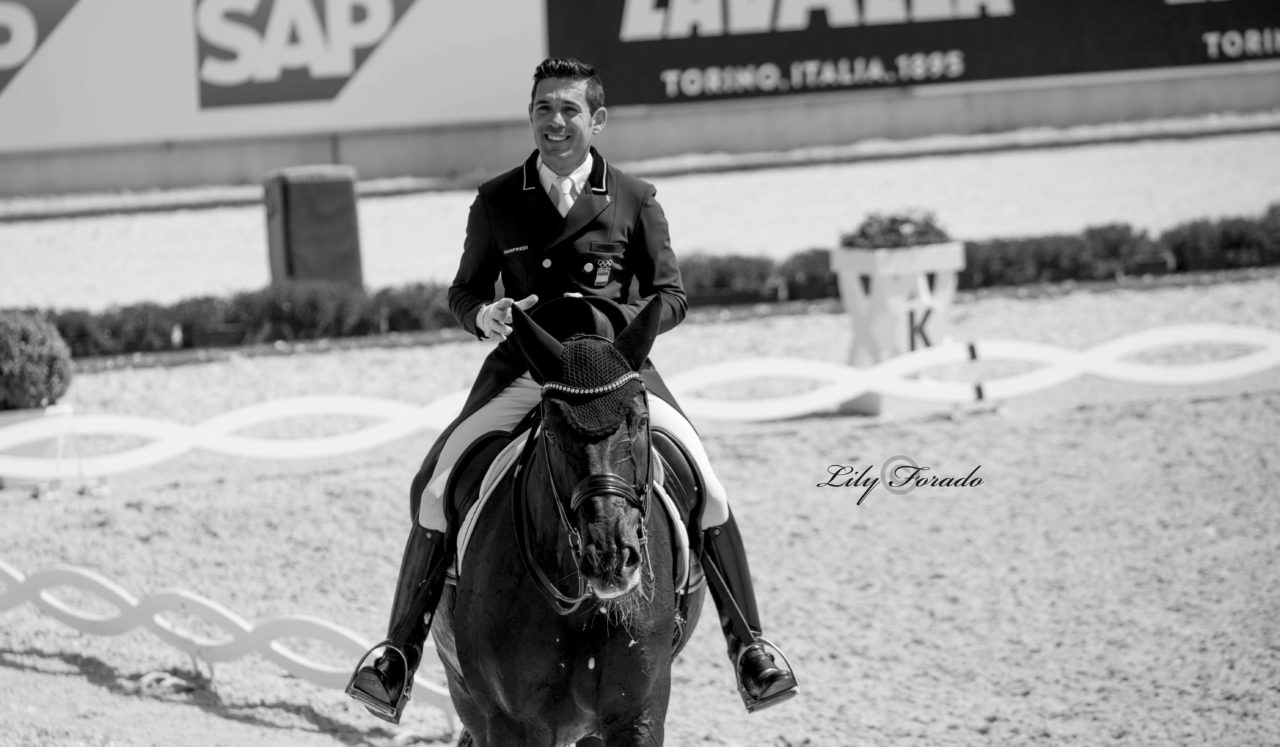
568 68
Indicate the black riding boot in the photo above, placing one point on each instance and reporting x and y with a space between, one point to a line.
763 680
384 686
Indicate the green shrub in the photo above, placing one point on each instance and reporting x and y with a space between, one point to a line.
301 311
86 334
35 362
1026 260
1271 234
808 275
1244 242
202 311
1115 247
1098 253
142 328
1225 243
1195 245
412 308
730 273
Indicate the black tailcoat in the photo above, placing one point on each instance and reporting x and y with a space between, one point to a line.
613 246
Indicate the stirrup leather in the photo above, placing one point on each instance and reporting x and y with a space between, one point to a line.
385 711
756 704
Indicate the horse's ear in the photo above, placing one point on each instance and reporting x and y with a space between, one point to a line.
636 340
540 349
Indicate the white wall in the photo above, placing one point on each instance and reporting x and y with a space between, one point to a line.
124 95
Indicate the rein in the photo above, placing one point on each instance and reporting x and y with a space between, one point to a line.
608 484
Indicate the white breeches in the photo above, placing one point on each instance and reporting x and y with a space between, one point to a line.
504 412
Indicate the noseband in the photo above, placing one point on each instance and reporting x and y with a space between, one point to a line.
602 484
607 484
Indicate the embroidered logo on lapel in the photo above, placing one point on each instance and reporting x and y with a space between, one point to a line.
515 249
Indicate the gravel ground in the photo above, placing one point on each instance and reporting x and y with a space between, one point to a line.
1112 580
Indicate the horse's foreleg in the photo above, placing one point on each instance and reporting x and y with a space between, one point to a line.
500 731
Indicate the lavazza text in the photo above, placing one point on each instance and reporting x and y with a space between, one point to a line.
644 20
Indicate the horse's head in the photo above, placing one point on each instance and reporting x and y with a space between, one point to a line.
595 432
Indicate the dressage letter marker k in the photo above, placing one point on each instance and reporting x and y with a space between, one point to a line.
915 330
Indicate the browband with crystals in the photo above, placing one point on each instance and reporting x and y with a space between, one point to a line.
555 386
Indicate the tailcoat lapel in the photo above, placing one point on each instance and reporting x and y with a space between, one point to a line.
540 215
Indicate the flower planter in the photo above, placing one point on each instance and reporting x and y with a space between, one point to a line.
898 299
907 260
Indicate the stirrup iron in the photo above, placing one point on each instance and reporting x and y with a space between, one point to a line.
752 704
384 711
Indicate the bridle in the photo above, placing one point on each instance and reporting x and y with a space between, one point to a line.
607 484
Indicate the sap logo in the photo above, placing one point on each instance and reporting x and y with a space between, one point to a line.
273 51
24 26
644 20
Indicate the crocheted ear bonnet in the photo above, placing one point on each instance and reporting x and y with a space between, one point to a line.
597 385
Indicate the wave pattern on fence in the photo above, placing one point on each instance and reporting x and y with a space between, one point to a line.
170 440
241 638
835 384
838 384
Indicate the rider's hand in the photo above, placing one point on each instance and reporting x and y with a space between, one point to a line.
494 319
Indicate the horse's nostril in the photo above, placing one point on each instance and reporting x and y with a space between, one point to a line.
630 557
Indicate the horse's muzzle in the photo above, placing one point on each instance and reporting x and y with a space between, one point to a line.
611 571
612 525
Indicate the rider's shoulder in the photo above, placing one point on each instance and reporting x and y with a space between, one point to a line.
506 181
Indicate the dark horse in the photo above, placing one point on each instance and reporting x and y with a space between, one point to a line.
566 614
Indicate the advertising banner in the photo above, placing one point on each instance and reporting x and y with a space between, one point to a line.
252 52
666 51
89 73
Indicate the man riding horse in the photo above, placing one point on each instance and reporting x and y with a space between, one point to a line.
565 223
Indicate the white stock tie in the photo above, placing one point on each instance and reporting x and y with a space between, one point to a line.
564 194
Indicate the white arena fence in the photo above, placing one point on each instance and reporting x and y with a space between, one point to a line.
241 637
835 384
896 377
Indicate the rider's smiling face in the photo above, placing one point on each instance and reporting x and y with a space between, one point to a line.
563 123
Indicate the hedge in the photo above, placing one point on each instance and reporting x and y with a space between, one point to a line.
309 311
289 311
35 363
